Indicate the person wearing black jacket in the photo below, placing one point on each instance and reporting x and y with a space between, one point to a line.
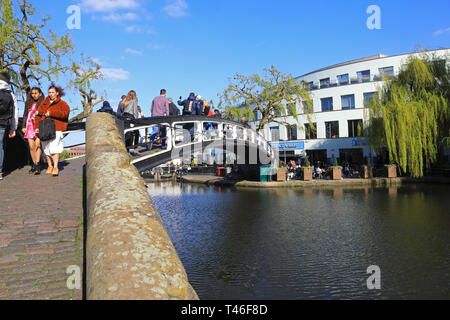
188 104
9 114
173 109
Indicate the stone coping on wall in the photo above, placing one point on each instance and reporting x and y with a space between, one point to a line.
129 255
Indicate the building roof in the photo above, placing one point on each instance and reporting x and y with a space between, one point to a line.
374 57
369 58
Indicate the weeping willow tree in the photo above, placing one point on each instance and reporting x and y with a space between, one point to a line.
411 114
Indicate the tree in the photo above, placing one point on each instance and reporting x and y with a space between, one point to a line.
32 55
411 116
25 51
84 74
274 95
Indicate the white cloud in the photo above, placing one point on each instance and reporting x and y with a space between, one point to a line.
442 31
115 74
134 28
132 51
155 46
108 5
176 8
118 18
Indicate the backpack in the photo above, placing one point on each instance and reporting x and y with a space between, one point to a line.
189 106
6 105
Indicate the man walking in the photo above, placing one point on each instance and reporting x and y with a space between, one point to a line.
160 108
9 113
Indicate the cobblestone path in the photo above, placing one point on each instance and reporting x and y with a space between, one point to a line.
41 233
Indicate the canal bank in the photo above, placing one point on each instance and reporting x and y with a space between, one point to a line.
376 182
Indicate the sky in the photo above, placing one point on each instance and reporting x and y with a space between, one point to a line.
198 45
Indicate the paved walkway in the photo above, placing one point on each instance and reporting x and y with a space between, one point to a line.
41 233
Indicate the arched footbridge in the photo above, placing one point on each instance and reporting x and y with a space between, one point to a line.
165 139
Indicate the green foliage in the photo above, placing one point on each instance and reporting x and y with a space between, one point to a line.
84 74
411 115
27 50
274 95
33 54
307 164
335 162
64 155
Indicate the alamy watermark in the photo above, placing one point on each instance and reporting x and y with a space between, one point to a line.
374 281
374 20
74 281
73 22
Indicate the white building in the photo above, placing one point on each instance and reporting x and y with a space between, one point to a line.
340 94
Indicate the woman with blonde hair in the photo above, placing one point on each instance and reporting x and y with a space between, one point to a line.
129 105
207 109
129 108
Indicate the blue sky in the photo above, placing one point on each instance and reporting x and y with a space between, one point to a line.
197 45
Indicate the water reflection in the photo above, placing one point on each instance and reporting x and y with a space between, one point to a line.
309 243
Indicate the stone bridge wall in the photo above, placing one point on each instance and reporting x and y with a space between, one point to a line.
129 255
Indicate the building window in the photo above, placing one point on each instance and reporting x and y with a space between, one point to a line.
355 128
332 129
310 133
327 104
368 96
325 83
387 71
292 132
348 102
256 115
275 133
290 109
343 79
307 107
364 76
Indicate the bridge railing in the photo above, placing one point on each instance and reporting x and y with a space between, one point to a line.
205 134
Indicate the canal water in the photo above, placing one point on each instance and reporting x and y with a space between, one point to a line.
310 243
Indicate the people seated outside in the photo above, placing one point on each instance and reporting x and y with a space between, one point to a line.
346 170
318 172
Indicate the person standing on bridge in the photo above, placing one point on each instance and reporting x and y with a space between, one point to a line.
9 113
55 108
198 106
34 99
160 108
188 109
174 111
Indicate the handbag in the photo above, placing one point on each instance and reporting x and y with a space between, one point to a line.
47 129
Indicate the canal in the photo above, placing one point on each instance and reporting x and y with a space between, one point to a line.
310 243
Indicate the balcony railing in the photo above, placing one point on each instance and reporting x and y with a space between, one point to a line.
355 80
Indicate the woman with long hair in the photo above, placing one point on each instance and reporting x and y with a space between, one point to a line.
34 99
55 108
130 105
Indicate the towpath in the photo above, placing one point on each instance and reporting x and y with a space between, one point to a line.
41 233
